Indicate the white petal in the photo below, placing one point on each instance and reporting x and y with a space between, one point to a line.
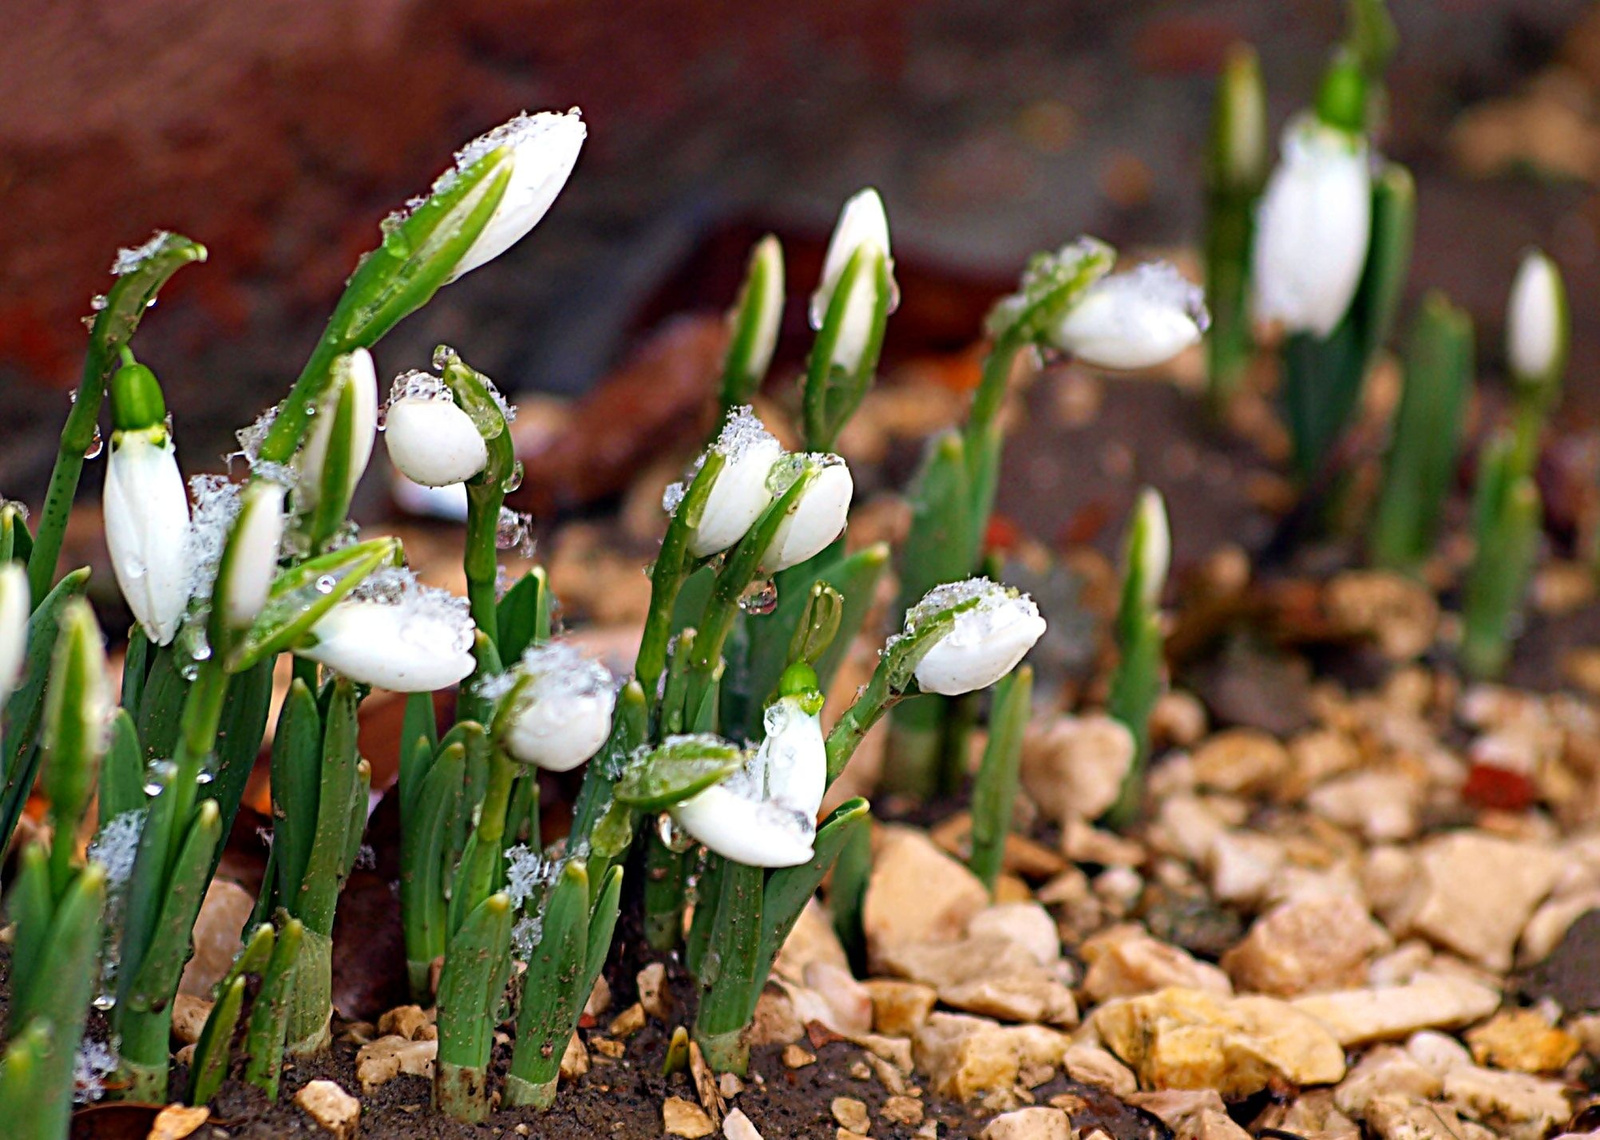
817 519
755 834
252 556
545 149
1157 549
146 511
984 645
1535 318
1313 227
13 625
406 648
355 370
1134 320
737 498
564 713
856 328
792 761
862 222
433 442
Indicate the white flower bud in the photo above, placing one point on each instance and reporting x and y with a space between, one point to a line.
407 639
765 815
563 713
741 491
353 372
14 609
1134 320
985 641
146 511
1153 540
816 520
1536 321
430 439
250 561
1313 228
544 150
862 224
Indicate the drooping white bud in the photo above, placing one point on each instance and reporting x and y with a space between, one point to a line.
14 609
430 439
250 557
862 224
544 150
146 511
396 634
993 628
1536 321
1313 228
353 372
741 491
765 814
817 519
1134 320
563 713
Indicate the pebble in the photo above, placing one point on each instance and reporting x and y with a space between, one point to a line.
1400 614
1038 1123
737 1126
1192 1039
1240 761
189 1015
916 892
1521 1040
381 1061
1387 1070
851 1113
1475 893
409 1021
1401 1118
899 1008
990 975
841 1003
628 1022
1383 806
177 1121
1027 924
1243 865
965 1056
1430 1001
906 1110
1516 1105
223 913
574 1059
797 1056
1306 945
335 1111
775 1021
1073 767
654 996
812 940
684 1118
1124 961
1092 1065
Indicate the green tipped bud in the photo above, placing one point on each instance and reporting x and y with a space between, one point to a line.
78 705
136 400
1342 98
753 324
1239 140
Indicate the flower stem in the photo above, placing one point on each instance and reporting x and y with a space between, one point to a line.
480 559
726 1007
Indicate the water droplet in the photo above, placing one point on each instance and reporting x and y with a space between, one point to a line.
673 838
442 355
98 302
759 598
514 480
96 445
515 531
325 584
205 778
104 1002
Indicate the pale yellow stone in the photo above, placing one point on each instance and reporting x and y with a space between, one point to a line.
1402 1118
899 1007
1521 1040
685 1118
812 940
1516 1105
1386 1070
189 1015
796 1056
1240 761
408 1021
966 1056
381 1061
177 1121
1430 1001
1037 1123
1073 767
916 892
335 1111
1124 961
574 1059
654 996
851 1113
775 1021
223 912
1092 1065
1306 945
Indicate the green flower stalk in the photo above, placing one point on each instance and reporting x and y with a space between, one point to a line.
1137 682
995 792
1236 170
1507 517
1425 444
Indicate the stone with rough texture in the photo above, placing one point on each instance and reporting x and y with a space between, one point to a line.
654 996
1306 945
1177 1107
737 1126
223 913
899 1007
1401 1118
1243 865
1429 1001
1523 1041
1386 1070
685 1118
1191 1039
1240 761
812 940
1092 1065
409 1021
900 1109
574 1059
916 892
1516 1105
177 1122
848 1003
990 975
1031 998
775 1021
965 1055
189 1015
1124 961
335 1111
851 1113
1027 924
1383 806
1038 1123
1475 893
1073 767
381 1061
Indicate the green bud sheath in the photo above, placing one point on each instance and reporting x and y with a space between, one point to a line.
136 400
1342 98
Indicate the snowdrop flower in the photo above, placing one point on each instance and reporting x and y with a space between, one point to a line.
145 505
544 148
1313 227
1134 320
353 373
765 814
250 558
741 491
1536 321
395 634
862 225
13 625
562 713
817 519
1150 542
993 628
430 439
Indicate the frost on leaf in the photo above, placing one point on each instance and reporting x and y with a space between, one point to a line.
131 259
94 1062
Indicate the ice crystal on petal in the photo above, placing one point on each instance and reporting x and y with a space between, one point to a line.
250 438
133 258
741 431
974 593
417 385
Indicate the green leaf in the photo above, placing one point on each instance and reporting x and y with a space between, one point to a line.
337 787
30 907
552 988
209 1066
162 964
303 594
24 1085
239 734
423 842
122 771
471 983
674 773
77 701
161 699
269 1017
296 783
602 924
789 889
523 615
995 792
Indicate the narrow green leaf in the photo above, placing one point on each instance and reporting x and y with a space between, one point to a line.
296 783
995 792
157 979
524 615
210 1063
551 997
269 1017
122 772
